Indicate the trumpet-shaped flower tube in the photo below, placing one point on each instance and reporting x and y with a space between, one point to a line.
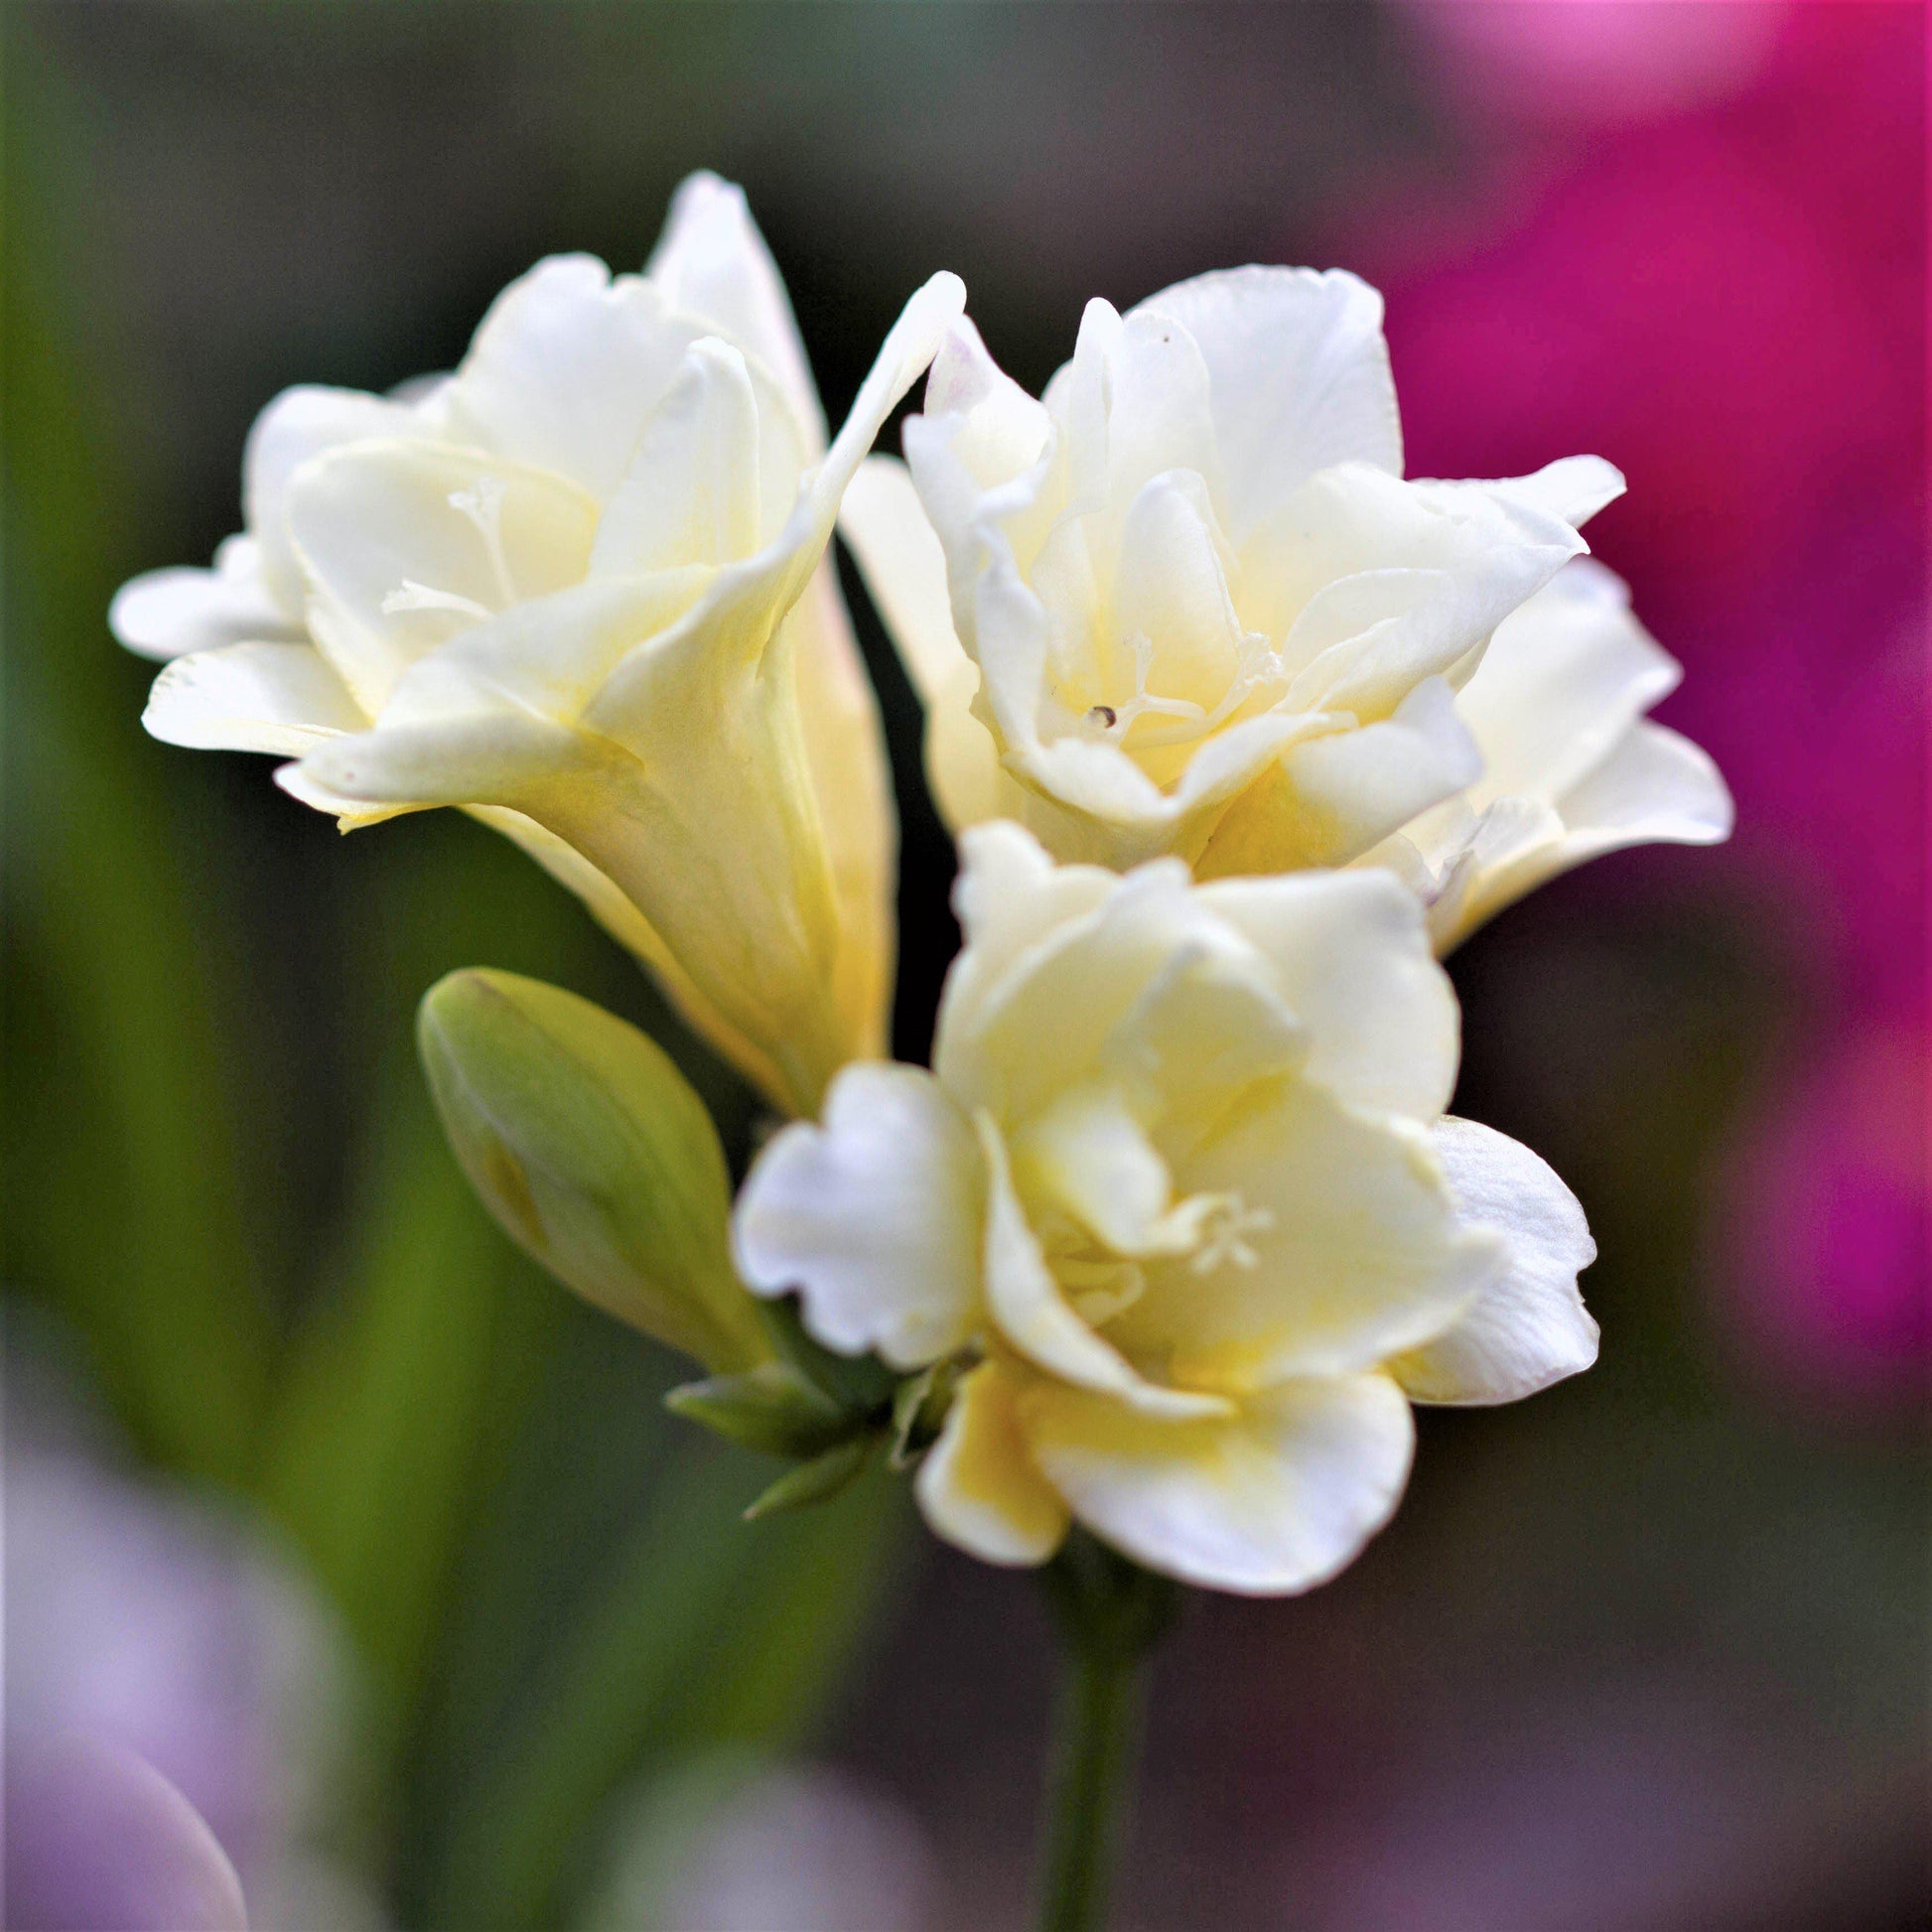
1186 603
1180 1203
579 587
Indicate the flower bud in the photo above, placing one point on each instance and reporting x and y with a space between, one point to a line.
596 1157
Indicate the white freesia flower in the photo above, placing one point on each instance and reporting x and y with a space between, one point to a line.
1188 604
580 588
1180 1187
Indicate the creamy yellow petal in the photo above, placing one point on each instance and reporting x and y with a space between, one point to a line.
1349 958
1032 1314
978 1487
1342 1247
845 754
904 569
1332 797
1266 1501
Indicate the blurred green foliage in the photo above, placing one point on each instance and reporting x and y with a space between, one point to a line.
299 1299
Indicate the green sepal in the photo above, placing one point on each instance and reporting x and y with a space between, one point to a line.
772 1408
861 1383
921 1404
818 1480
594 1153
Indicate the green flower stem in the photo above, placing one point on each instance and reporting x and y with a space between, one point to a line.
1111 1612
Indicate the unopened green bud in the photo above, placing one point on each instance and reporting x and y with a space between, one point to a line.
770 1408
591 1150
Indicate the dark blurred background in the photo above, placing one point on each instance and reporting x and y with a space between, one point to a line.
380 1547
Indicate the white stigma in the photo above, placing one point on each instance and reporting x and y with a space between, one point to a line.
484 507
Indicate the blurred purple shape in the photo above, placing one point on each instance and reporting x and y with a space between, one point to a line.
165 1634
98 1841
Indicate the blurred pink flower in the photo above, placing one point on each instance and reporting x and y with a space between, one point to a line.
1822 1237
1728 301
1600 61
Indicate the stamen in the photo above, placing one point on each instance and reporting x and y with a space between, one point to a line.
419 597
484 507
1222 1232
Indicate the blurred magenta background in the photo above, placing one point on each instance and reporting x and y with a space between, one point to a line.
1645 1652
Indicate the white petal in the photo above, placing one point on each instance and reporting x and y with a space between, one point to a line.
167 614
1394 582
1089 1153
1347 1248
1208 1026
977 454
490 718
383 535
726 635
1041 1026
873 1216
1351 960
979 1487
904 570
1574 488
280 698
1266 1502
1528 1328
1655 786
1565 677
1298 377
566 368
710 261
299 424
962 763
690 494
1159 416
1171 589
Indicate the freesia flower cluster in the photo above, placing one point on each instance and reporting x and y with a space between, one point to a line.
1239 730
